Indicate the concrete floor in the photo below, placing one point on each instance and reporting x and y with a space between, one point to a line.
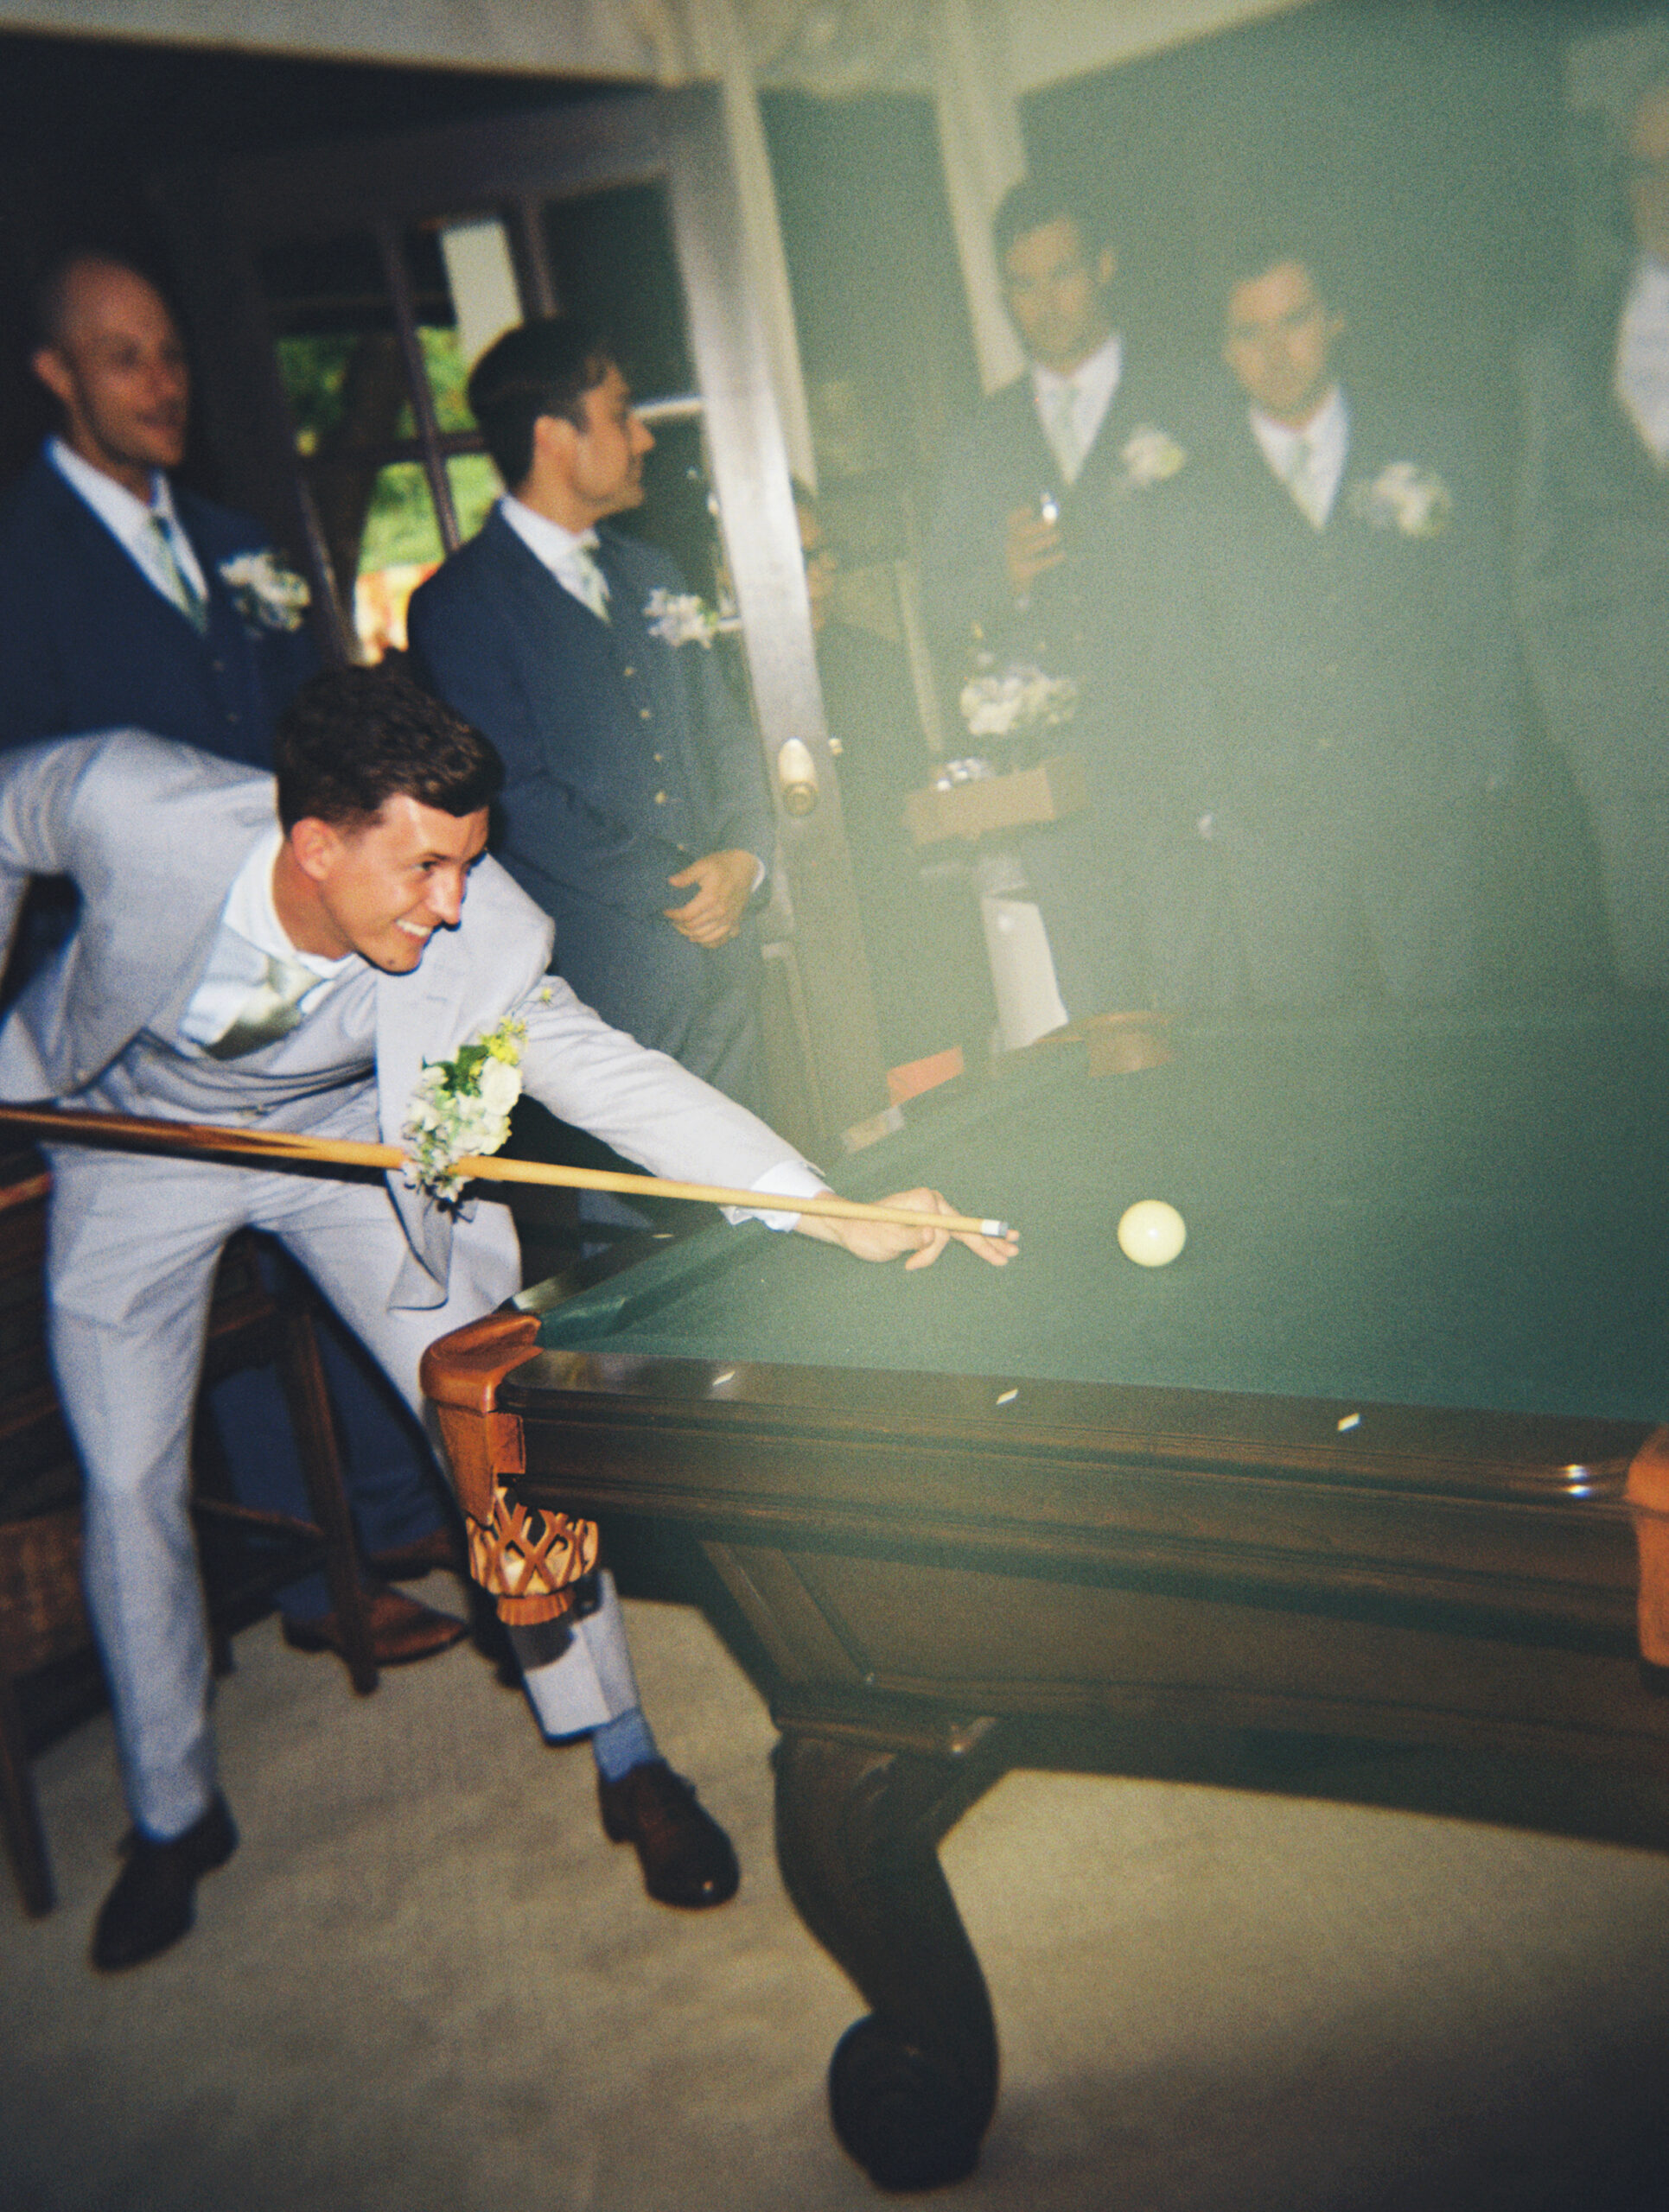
426 1981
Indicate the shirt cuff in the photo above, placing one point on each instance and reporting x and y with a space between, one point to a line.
790 1179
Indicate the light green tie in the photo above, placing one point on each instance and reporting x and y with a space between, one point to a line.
1063 431
271 1010
593 584
1301 482
176 576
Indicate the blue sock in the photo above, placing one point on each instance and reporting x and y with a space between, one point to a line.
623 1743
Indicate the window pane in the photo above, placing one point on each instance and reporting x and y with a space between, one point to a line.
475 483
400 545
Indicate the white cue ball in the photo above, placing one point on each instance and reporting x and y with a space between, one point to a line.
1151 1233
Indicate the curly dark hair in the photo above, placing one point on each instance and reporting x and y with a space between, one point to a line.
354 738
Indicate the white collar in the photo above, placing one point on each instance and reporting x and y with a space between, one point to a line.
1103 366
548 541
1328 433
128 519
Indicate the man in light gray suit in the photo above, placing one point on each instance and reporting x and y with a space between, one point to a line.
294 973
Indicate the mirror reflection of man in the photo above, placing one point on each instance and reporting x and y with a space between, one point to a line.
1592 552
1339 557
126 601
1038 555
999 560
634 808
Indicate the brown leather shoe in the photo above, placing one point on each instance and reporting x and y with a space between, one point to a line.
685 1856
401 1631
154 1899
442 1548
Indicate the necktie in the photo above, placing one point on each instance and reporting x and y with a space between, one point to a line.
591 585
271 1010
1062 430
1301 482
175 577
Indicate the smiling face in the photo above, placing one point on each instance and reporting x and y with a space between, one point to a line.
1057 294
380 888
1279 342
117 368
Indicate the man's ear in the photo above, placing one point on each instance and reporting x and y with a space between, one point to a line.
314 846
554 440
55 372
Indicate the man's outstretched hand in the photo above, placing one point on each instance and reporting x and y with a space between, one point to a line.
886 1240
723 884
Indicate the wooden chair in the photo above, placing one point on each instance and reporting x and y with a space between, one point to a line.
43 1623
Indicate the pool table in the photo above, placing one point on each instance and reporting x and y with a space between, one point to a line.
1374 1462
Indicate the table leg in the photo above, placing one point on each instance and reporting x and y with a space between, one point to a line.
911 2087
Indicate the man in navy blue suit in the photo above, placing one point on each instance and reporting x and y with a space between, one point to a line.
127 602
634 808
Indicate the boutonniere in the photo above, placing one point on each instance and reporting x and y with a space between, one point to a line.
462 1106
1007 702
1150 456
1403 497
268 595
682 618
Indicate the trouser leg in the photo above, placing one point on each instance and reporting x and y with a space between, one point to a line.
349 1241
132 1250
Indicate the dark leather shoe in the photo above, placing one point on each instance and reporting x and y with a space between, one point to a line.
442 1548
401 1631
154 1901
685 1856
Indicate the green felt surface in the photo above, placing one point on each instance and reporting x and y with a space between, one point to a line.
1456 1211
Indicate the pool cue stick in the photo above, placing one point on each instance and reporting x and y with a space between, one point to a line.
137 1133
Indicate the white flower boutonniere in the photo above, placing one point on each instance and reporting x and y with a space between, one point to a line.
462 1106
1150 456
1406 497
1009 701
680 618
269 595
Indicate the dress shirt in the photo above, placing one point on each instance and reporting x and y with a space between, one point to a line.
1642 371
250 931
129 520
552 546
1092 384
1328 435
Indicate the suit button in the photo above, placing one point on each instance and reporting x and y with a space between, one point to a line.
661 798
660 760
232 715
219 666
645 715
629 671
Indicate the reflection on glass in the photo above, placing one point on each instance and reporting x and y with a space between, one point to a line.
400 545
475 485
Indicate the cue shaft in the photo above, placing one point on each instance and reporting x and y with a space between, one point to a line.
137 1131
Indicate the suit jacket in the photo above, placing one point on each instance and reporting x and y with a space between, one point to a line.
1591 560
998 461
625 759
91 645
1370 664
153 833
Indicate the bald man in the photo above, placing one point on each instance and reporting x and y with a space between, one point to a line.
126 602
